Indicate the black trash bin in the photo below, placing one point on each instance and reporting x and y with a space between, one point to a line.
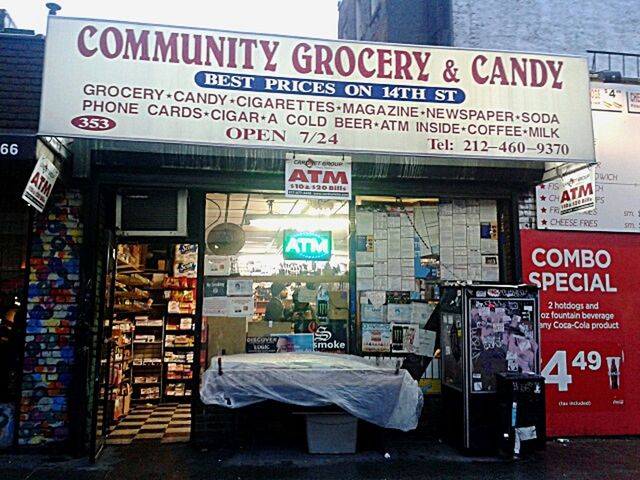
521 413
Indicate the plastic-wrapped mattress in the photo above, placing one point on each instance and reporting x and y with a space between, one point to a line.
379 395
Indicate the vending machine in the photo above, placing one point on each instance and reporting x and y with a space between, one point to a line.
484 330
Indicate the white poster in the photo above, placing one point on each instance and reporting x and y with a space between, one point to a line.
134 81
240 307
40 183
424 342
237 287
318 176
215 306
217 265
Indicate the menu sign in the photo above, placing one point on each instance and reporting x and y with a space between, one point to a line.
159 83
617 175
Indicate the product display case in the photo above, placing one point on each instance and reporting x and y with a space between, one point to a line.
160 308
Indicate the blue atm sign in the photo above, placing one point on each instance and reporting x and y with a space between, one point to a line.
307 245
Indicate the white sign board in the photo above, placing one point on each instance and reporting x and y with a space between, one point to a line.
578 191
40 183
132 81
318 176
617 172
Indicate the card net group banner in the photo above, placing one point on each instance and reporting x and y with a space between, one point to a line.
589 299
117 80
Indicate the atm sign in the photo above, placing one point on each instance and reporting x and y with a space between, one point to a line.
307 245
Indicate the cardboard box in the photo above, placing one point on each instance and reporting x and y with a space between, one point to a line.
265 329
338 313
226 334
339 299
339 305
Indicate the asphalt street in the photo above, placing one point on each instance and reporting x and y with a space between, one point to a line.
399 458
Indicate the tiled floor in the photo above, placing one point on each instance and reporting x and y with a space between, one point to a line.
166 423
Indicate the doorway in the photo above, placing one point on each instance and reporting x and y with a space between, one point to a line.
149 340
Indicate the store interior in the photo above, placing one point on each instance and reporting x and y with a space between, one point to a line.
290 258
151 339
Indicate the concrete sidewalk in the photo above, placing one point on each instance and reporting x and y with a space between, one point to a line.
615 458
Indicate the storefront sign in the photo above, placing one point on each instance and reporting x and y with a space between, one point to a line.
318 176
293 342
315 246
578 192
17 147
40 184
589 330
331 337
617 174
262 344
159 83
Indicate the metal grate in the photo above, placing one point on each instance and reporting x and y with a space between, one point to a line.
626 63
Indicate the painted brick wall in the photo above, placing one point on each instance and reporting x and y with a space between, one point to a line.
54 283
568 26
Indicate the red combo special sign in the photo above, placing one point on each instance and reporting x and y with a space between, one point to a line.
590 333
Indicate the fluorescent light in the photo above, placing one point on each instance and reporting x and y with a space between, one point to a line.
299 222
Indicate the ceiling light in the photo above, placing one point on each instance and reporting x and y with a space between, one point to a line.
298 222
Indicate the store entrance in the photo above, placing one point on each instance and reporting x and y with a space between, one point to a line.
147 371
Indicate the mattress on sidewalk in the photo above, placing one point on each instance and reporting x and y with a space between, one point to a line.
382 396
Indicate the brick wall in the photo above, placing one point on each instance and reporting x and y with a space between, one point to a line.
570 26
21 63
527 210
52 307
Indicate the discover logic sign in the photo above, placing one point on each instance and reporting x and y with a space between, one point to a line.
157 83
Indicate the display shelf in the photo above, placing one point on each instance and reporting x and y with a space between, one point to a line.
132 295
149 293
120 308
126 267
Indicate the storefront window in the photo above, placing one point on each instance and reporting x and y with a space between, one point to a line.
404 249
276 274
